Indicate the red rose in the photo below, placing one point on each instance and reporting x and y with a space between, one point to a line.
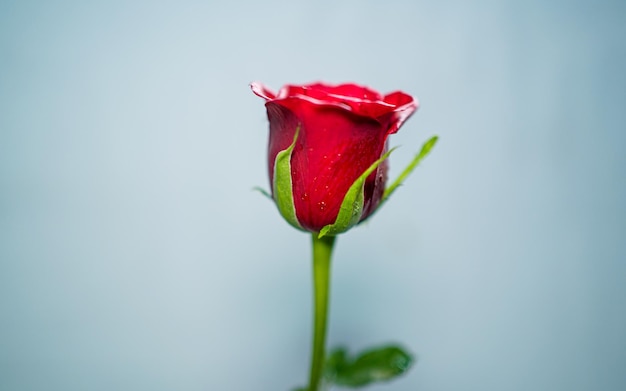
322 140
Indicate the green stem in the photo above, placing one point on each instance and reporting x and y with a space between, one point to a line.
322 251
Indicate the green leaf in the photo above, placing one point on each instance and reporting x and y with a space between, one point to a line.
283 189
371 366
428 145
336 362
351 207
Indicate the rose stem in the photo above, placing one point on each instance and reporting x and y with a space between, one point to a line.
322 250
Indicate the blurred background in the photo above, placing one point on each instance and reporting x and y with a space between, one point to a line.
135 256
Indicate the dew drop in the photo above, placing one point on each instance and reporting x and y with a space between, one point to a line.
322 205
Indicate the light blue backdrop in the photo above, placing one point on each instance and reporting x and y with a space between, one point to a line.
134 256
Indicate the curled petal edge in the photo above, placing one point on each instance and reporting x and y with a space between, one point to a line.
261 91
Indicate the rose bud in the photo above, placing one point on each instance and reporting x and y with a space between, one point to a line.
328 149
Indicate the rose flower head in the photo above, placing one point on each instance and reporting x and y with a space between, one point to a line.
327 154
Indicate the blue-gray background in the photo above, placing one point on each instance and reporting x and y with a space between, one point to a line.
134 256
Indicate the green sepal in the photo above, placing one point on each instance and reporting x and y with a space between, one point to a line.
428 145
282 186
371 366
263 191
351 207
